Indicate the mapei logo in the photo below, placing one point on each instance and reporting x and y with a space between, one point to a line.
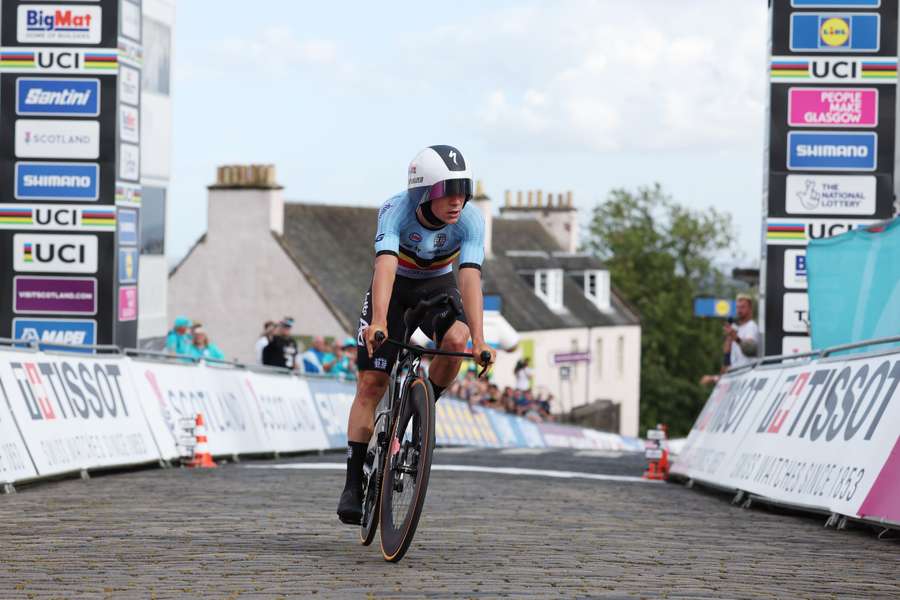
62 60
832 70
59 24
43 253
56 331
59 218
835 32
56 181
48 97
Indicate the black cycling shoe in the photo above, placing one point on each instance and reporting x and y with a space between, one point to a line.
350 506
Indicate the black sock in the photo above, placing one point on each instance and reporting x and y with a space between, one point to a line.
356 456
438 389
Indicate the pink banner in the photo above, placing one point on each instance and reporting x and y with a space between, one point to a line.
833 107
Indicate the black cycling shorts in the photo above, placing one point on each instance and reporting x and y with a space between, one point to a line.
406 294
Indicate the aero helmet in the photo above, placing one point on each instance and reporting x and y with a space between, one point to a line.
439 171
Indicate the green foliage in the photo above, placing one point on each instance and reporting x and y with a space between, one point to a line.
660 255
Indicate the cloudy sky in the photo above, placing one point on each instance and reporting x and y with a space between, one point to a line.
576 95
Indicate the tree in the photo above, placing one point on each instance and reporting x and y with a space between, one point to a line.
661 254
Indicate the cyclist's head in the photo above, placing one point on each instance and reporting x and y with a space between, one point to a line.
440 183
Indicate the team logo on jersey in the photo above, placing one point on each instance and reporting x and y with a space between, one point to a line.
414 236
440 239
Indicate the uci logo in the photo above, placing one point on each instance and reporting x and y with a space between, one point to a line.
834 69
48 253
50 217
50 59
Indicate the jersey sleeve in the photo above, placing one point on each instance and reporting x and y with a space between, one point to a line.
387 238
471 252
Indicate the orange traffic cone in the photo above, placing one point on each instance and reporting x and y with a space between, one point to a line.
202 458
657 453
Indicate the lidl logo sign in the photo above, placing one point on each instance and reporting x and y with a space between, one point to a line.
834 32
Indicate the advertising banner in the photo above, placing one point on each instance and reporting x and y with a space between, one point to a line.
15 461
75 413
290 421
333 400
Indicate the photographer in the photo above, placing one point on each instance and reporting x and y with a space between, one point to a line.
741 343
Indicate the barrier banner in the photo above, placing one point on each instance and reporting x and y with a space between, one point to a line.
288 415
458 425
824 436
724 422
75 413
15 463
182 391
510 432
333 400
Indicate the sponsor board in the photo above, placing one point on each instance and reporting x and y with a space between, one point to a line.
128 303
798 232
128 265
128 193
130 15
55 332
57 139
832 151
129 85
51 217
55 295
830 195
795 313
129 162
129 125
59 60
833 107
288 417
836 3
79 182
127 224
130 52
76 413
833 70
49 97
15 463
796 344
795 269
43 253
59 24
835 32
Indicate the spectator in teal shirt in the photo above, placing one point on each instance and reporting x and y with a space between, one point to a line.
345 367
202 349
179 340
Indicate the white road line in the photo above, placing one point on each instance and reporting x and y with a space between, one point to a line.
471 469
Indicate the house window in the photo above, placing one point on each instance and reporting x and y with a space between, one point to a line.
596 288
620 356
548 286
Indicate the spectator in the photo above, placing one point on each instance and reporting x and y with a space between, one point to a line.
201 348
345 367
742 339
317 359
523 374
179 339
264 339
282 350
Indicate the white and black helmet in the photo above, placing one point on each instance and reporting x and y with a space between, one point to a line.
439 171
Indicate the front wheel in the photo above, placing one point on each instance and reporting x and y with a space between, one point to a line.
371 494
406 470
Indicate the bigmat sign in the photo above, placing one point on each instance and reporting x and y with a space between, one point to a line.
830 140
819 435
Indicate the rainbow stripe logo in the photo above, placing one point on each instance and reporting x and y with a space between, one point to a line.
16 216
99 217
60 60
786 232
29 252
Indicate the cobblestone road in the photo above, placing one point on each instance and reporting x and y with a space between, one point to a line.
239 532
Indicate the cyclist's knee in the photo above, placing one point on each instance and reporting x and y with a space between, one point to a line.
456 338
371 386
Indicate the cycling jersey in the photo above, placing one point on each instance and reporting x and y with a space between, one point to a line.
422 252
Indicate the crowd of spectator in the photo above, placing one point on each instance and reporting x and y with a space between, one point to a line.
521 400
276 347
188 338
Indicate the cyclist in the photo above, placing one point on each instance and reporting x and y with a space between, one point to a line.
420 233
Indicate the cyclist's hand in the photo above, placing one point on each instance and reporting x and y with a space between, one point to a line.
481 351
371 344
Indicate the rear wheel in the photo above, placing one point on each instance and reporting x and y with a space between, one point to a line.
407 468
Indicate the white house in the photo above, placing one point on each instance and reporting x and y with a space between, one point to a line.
263 258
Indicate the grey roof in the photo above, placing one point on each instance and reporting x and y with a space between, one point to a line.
332 246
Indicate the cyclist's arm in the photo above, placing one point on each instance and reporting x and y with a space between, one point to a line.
473 303
382 286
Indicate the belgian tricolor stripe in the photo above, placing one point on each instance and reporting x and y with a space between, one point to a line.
411 262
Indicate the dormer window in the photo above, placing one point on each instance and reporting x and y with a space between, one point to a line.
596 288
548 286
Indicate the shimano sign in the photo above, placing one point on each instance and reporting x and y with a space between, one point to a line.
57 181
832 151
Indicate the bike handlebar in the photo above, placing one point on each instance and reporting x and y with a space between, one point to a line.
485 356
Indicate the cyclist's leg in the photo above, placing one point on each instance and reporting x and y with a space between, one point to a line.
444 369
370 387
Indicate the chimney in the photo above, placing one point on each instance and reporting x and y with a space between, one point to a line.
483 202
245 201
